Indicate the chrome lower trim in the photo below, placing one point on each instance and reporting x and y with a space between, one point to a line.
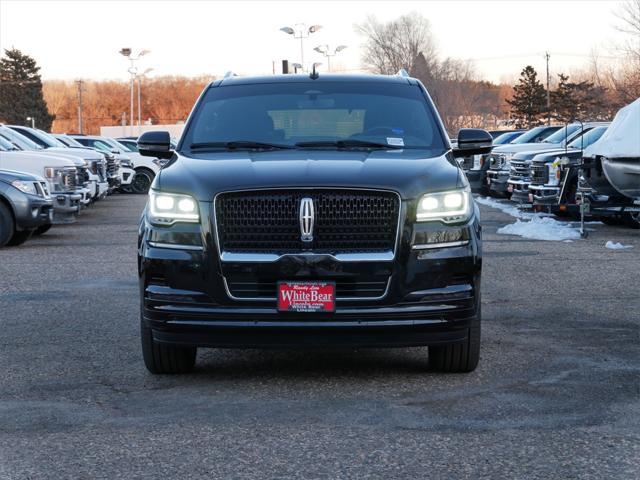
433 246
274 257
176 246
275 299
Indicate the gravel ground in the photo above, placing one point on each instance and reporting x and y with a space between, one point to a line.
556 394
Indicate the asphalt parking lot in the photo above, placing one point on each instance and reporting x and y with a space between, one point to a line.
556 395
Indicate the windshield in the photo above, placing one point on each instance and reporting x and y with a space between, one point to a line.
116 144
562 134
70 142
530 135
588 138
130 145
6 145
507 137
18 139
286 114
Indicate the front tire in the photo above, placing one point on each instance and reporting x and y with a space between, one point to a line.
142 180
7 225
460 357
632 219
163 358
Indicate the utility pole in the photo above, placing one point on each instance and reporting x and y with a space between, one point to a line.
547 56
80 88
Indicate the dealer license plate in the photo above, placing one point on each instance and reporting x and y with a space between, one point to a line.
306 297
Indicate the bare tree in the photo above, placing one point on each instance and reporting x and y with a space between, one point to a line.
396 44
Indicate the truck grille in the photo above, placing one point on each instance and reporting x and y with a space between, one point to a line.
346 289
69 179
539 174
519 169
112 168
346 221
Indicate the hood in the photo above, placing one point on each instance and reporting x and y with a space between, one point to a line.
12 175
48 160
529 154
82 153
524 147
550 156
411 173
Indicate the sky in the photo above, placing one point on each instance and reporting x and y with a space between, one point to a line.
82 38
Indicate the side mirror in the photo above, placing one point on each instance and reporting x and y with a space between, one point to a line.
155 144
472 141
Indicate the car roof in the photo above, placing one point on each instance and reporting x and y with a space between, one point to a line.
306 78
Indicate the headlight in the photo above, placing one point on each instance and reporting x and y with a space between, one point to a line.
25 187
450 207
126 163
160 162
168 208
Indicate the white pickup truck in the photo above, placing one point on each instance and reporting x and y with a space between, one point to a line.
60 174
88 162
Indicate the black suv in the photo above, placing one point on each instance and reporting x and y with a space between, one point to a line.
311 211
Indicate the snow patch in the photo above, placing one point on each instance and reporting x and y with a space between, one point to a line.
616 245
541 228
508 208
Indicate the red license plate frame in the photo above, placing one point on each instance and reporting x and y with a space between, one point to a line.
306 297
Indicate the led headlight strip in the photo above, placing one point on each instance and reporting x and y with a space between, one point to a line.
168 208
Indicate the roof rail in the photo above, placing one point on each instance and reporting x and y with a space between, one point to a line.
229 74
402 73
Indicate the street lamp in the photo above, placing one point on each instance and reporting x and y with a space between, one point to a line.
33 121
301 31
133 71
139 79
328 52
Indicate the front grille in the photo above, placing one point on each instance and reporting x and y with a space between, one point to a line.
519 169
112 168
539 174
346 221
69 179
346 289
82 177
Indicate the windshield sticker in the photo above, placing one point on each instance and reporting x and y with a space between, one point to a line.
395 141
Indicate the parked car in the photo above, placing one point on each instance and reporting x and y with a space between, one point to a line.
551 178
356 228
86 161
507 137
523 167
25 206
125 171
500 157
59 172
610 171
145 168
477 172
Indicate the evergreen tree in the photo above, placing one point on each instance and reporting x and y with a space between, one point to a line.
21 91
578 101
529 101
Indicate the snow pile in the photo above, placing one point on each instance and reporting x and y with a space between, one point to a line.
541 228
616 245
508 208
622 138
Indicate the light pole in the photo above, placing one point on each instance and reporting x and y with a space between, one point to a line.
139 78
33 121
296 66
133 70
301 31
328 52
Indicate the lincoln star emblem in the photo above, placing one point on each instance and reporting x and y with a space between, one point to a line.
307 217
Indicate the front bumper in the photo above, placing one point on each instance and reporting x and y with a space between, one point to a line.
31 211
497 181
519 190
65 207
432 295
545 195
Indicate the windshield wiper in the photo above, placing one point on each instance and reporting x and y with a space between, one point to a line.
239 145
349 143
